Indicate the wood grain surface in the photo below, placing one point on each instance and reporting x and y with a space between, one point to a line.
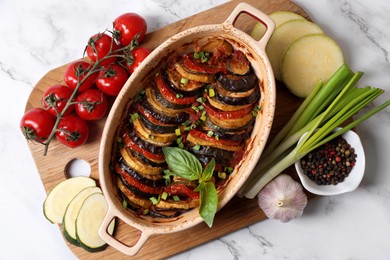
237 214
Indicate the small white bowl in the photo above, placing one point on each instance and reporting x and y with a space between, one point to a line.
350 183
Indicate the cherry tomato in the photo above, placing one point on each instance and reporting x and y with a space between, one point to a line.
72 131
99 46
112 79
55 98
138 55
91 104
127 26
37 124
77 71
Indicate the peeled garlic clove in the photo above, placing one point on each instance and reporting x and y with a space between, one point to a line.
282 199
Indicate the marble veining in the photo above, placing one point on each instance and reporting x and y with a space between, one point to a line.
37 36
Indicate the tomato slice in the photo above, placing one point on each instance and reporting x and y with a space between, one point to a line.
152 156
171 96
148 116
196 65
181 189
211 139
226 115
136 183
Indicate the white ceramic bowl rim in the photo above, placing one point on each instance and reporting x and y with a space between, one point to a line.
351 182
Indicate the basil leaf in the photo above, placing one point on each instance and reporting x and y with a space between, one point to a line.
182 163
208 171
208 203
200 186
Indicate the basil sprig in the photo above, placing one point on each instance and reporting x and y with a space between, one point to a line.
185 165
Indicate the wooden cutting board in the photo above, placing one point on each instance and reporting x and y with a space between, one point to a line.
237 214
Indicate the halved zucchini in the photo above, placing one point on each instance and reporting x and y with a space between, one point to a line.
69 220
307 61
88 221
279 18
283 36
60 196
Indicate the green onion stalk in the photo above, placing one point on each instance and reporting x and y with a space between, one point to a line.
328 106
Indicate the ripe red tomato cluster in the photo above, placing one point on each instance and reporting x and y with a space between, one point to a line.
112 57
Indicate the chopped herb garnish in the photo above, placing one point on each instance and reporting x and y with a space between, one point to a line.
183 80
175 198
203 118
195 108
179 95
256 110
186 123
201 100
146 211
222 175
178 131
154 200
211 92
196 147
210 133
164 195
124 204
216 136
134 117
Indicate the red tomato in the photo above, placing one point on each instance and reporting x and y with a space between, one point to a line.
77 71
99 46
37 124
72 131
127 26
138 55
91 104
55 98
112 79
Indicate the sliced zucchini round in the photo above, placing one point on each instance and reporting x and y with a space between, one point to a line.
60 196
279 18
307 61
88 221
69 220
283 36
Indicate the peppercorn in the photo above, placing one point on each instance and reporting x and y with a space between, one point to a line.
331 163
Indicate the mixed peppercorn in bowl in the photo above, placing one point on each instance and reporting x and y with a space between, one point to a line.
334 168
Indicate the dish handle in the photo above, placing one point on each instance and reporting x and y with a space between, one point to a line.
258 15
120 246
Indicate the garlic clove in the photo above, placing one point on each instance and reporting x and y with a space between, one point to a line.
282 199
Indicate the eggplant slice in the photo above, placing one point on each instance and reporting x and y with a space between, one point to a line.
213 124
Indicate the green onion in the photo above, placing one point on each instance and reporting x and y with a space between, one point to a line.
327 107
211 92
134 117
179 95
201 100
155 200
175 198
124 204
183 80
222 175
164 195
196 147
210 133
178 131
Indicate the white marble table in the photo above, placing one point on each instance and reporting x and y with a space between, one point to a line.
37 36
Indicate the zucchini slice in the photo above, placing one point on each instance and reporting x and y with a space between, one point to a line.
88 221
279 18
283 36
59 197
307 61
69 220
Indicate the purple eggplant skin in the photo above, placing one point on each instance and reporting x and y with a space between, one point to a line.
198 92
178 119
220 130
166 103
138 176
235 101
161 129
237 83
144 144
136 191
145 160
209 151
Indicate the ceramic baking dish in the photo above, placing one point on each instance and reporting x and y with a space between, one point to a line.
255 52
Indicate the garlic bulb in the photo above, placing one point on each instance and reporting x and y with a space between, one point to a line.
282 199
